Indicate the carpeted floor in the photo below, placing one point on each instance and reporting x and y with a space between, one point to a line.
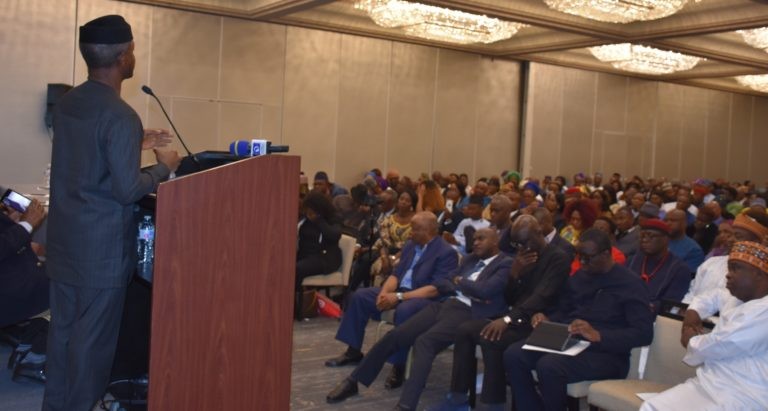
311 380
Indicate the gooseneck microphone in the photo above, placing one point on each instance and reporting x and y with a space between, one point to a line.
149 91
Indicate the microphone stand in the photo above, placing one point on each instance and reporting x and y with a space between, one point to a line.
149 91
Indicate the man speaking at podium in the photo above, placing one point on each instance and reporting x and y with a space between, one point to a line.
95 181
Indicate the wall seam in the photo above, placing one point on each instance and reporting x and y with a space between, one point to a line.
434 110
218 84
728 140
387 166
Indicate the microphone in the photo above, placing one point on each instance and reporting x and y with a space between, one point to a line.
149 91
254 148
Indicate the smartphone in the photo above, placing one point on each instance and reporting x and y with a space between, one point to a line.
449 205
16 201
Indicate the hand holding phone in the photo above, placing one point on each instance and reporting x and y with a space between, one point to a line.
16 201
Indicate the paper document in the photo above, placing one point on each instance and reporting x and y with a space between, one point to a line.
573 351
645 396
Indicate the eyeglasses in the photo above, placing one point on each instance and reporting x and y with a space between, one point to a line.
584 259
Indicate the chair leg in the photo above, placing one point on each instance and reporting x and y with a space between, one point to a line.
573 404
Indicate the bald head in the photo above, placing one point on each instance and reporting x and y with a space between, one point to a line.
423 227
485 243
501 208
677 221
544 217
526 233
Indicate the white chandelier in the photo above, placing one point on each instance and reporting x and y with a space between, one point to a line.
757 82
643 59
437 23
757 38
618 11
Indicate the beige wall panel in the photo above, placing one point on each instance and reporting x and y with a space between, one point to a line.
612 101
616 149
498 123
272 124
411 108
252 61
578 121
238 121
741 137
669 127
198 121
140 19
718 132
455 113
759 148
636 155
545 111
363 94
185 53
641 106
694 132
36 38
311 98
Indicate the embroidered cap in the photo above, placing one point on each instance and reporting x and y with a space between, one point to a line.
754 254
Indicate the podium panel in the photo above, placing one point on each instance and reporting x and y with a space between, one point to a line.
222 302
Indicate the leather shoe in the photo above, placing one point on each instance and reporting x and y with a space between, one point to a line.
394 379
344 359
34 372
344 390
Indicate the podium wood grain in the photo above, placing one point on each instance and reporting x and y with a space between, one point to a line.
223 288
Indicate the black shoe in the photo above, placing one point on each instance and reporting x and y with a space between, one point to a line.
16 357
344 359
395 378
35 372
344 390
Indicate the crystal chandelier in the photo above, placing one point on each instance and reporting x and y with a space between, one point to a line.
643 59
757 82
437 23
618 11
757 38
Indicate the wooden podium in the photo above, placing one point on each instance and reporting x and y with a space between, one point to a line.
222 300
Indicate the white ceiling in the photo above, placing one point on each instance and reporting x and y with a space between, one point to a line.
704 29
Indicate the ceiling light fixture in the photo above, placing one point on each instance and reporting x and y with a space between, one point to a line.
757 82
643 59
757 38
438 23
618 11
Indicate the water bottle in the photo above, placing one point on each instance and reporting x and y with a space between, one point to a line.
146 248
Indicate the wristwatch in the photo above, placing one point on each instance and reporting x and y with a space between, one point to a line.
507 320
399 296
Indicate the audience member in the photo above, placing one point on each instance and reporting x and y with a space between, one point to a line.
425 260
705 227
430 198
607 226
681 245
24 288
478 289
544 217
627 232
604 304
666 276
536 277
394 231
580 215
325 186
472 221
732 360
318 249
501 208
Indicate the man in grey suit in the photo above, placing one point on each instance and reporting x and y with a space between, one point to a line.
95 181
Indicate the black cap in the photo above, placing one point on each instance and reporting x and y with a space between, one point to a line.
112 29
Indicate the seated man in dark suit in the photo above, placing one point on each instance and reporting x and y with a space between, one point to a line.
23 287
478 289
425 260
537 275
603 303
548 230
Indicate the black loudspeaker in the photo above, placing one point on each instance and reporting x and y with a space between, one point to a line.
55 92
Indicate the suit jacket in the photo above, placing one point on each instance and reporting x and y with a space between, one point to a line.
438 260
539 286
487 291
95 181
564 246
320 238
23 284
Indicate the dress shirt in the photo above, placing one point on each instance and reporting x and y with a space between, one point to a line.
473 277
